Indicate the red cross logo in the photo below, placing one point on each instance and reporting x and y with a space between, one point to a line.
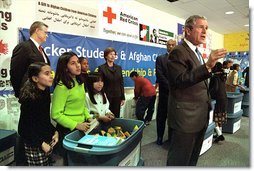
109 15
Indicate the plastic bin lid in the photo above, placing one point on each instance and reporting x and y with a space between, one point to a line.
245 104
234 95
210 127
246 90
235 115
5 133
70 141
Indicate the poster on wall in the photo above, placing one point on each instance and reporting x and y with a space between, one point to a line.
9 106
68 18
118 22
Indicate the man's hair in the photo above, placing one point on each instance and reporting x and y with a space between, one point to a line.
35 25
192 21
133 73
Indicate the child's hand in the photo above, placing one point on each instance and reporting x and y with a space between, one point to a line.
55 139
110 115
104 118
46 147
83 126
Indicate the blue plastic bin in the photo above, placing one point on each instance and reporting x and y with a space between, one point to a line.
127 153
7 146
245 107
207 143
233 123
246 94
234 102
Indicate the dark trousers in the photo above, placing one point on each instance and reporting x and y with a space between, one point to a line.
115 105
161 117
20 156
143 104
184 148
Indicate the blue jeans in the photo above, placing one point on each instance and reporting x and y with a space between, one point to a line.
143 104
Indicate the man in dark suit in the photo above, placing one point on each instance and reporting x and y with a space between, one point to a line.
161 79
189 101
28 52
24 54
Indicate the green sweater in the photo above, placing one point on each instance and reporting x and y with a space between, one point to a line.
68 106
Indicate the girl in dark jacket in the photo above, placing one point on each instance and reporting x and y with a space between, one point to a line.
218 92
35 128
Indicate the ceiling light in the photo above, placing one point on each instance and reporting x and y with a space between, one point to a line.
229 12
246 25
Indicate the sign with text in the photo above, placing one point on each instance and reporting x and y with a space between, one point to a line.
130 56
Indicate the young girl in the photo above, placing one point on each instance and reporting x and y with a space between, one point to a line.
39 135
217 90
68 104
96 99
84 69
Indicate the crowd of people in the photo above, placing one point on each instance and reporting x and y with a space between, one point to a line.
79 96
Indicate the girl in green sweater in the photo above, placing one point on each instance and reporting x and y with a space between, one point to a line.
69 110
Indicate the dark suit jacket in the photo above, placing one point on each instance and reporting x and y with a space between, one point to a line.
23 55
189 101
113 80
161 73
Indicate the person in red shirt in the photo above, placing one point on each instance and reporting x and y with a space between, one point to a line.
145 95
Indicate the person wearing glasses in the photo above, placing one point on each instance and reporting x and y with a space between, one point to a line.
26 53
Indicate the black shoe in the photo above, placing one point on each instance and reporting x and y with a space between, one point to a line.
159 141
219 138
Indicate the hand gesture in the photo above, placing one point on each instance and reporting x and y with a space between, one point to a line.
214 56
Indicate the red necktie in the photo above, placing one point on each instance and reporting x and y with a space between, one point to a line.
40 49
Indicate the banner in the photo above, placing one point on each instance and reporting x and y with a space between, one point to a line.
130 56
66 17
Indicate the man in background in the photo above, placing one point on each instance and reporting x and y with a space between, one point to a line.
162 80
145 95
26 53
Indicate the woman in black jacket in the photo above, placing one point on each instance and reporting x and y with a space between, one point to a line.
113 81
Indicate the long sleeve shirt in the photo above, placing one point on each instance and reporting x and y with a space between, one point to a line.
99 108
68 105
34 122
143 87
